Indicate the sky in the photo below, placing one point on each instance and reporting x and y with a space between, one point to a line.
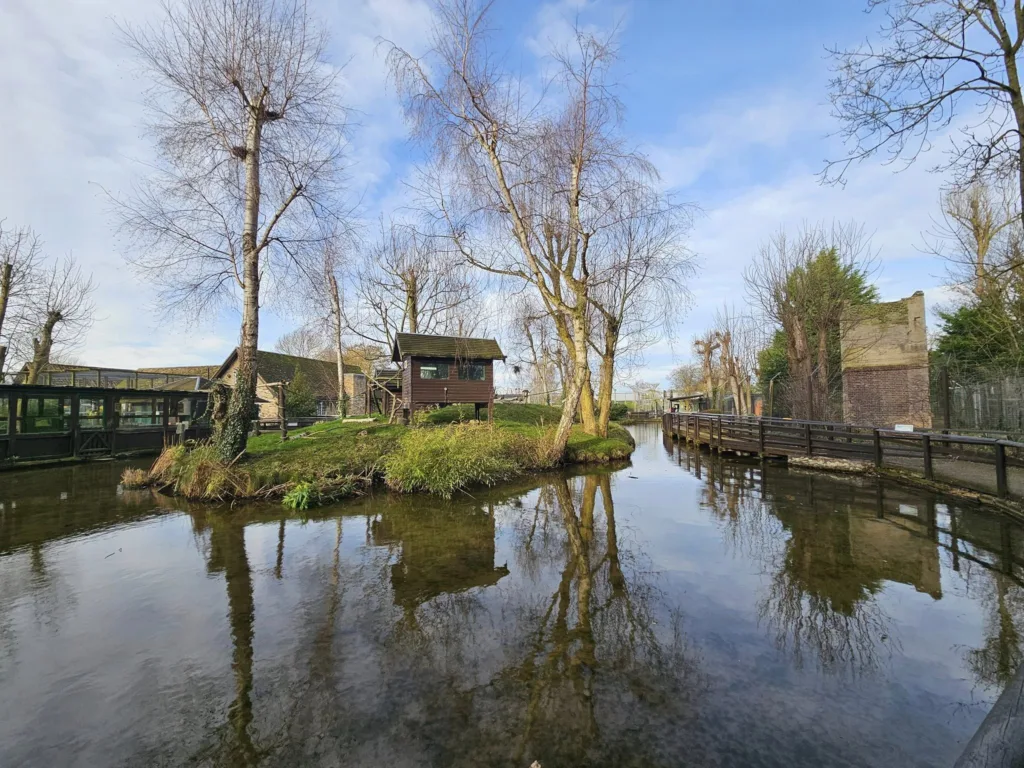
729 99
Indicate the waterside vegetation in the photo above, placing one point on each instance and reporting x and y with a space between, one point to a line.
444 453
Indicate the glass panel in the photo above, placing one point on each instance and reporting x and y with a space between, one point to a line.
434 371
139 412
90 413
472 372
87 379
42 414
4 415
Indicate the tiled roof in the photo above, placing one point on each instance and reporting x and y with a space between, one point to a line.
459 347
273 367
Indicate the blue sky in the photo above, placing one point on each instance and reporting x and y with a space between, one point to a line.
728 98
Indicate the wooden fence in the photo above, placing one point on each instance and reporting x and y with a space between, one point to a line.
984 464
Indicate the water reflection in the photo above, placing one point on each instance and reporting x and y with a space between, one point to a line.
549 620
829 545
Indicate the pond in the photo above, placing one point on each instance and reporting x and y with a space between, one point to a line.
683 610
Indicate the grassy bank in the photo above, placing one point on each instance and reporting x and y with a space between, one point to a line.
445 453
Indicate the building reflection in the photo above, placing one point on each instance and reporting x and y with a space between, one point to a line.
442 550
830 544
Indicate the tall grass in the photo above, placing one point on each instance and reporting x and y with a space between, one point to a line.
447 459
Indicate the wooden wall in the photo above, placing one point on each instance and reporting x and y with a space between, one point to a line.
417 391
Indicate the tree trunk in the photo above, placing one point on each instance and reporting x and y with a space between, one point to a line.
5 295
41 347
241 408
799 370
339 351
588 404
822 375
580 377
412 302
604 399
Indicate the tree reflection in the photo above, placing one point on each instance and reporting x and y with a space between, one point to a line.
227 555
826 558
592 666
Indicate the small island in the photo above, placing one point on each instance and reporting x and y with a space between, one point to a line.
444 451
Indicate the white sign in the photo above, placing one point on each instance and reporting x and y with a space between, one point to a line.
904 428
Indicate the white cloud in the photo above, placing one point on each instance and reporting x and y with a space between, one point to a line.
77 128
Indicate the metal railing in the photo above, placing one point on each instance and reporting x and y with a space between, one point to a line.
990 465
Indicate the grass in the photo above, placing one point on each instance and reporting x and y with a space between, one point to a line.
535 421
331 460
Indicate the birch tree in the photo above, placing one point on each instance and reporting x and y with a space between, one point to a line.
246 123
640 269
530 174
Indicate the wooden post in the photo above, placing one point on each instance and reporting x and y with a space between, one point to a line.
1002 489
760 436
112 419
877 441
280 410
12 424
696 432
926 451
810 400
807 438
73 422
944 397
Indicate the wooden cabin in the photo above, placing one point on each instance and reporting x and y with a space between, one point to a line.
442 370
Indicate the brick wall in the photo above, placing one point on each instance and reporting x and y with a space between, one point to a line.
882 397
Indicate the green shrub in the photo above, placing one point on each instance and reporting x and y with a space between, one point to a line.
619 411
447 459
308 495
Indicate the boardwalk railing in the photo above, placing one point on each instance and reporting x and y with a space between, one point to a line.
984 464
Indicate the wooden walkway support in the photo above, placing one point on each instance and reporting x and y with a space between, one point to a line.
985 464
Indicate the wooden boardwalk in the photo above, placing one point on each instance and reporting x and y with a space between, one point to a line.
985 464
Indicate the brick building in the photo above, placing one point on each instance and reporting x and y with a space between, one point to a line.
885 364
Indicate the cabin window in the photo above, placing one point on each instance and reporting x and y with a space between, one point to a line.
434 371
140 412
42 414
90 413
472 372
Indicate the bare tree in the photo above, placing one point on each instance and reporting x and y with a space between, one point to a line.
641 266
706 346
20 254
63 311
687 379
937 61
976 220
408 283
536 175
536 346
247 127
801 285
305 341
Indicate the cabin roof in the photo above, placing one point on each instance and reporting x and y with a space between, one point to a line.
459 347
273 367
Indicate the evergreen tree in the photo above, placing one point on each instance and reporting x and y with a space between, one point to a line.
299 397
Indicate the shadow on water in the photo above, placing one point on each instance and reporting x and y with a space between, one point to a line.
686 609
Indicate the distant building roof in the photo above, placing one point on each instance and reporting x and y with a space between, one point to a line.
206 371
459 347
273 367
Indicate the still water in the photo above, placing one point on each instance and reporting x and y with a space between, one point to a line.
666 613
